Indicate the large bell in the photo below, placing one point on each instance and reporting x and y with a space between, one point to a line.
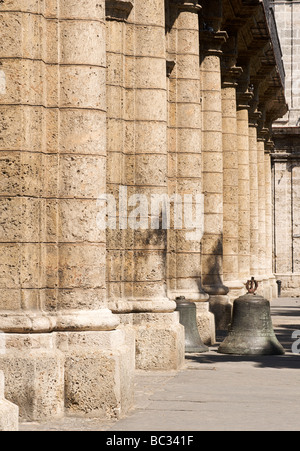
251 330
187 317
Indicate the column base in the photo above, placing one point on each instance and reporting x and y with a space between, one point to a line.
160 341
274 287
206 323
9 412
99 372
83 373
34 376
205 319
221 307
271 290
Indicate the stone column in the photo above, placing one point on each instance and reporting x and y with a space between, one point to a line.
212 250
253 163
9 413
283 215
33 367
159 336
120 83
231 182
185 163
262 212
244 184
99 357
60 335
269 146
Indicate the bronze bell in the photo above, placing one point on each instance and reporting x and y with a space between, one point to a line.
251 330
187 317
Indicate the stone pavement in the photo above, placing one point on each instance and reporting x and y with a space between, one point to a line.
214 392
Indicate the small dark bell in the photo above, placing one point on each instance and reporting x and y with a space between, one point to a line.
251 330
187 317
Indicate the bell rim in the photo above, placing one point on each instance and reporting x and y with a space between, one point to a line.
262 347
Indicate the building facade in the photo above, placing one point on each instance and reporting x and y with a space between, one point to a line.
106 107
285 158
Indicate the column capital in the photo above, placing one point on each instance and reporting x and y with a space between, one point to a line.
230 76
254 118
269 147
118 9
263 134
187 5
244 99
213 41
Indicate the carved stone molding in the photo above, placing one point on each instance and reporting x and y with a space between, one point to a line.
230 76
212 42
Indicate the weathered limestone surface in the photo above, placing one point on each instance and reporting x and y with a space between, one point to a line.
288 22
253 196
9 413
53 255
244 186
185 159
137 263
145 98
231 178
269 228
286 206
285 156
212 243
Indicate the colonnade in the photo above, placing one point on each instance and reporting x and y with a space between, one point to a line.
120 101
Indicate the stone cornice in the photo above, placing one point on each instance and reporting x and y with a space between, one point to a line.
281 157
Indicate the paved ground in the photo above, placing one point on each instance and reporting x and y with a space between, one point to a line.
215 392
